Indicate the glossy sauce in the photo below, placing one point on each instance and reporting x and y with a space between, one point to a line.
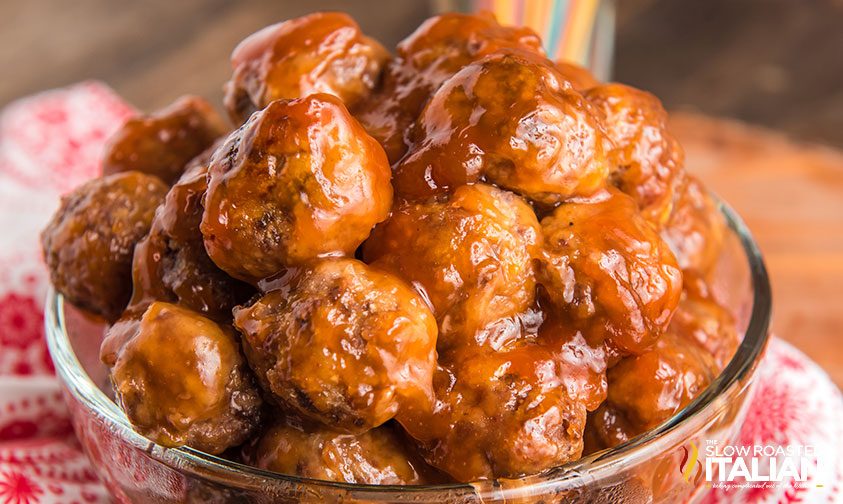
344 344
470 255
321 53
171 263
438 49
462 262
510 119
163 143
300 180
181 378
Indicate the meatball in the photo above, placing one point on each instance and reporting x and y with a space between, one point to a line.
647 389
509 119
171 263
608 272
702 322
470 254
647 158
300 180
438 49
323 52
375 457
181 378
88 244
580 78
162 143
695 228
513 412
342 343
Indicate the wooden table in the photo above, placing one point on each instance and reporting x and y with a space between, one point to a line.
791 196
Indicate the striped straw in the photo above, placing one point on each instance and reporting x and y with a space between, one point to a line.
567 27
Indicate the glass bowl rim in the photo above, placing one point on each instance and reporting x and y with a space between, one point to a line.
597 465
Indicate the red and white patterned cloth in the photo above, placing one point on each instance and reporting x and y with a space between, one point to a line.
51 142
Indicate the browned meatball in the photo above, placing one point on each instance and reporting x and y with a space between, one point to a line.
513 412
701 321
438 49
512 120
300 180
181 378
171 263
89 242
376 457
695 228
608 272
647 158
647 389
342 343
323 52
162 143
470 254
580 78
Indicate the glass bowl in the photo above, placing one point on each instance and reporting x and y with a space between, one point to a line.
648 468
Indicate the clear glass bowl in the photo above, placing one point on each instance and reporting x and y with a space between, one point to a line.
645 469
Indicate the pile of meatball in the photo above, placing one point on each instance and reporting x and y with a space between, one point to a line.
459 262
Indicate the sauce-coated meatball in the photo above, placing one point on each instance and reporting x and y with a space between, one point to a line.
608 271
163 143
323 52
438 49
695 228
647 158
375 457
171 263
647 389
181 378
513 412
703 322
342 343
301 179
470 254
512 120
89 242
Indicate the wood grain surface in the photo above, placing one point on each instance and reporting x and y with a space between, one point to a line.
791 197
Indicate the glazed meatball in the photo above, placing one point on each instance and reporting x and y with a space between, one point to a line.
470 254
323 52
647 389
513 412
300 180
342 343
89 242
375 457
509 119
647 158
438 49
163 143
580 78
695 228
607 271
171 263
181 378
701 321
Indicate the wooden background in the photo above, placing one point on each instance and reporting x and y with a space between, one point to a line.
773 63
